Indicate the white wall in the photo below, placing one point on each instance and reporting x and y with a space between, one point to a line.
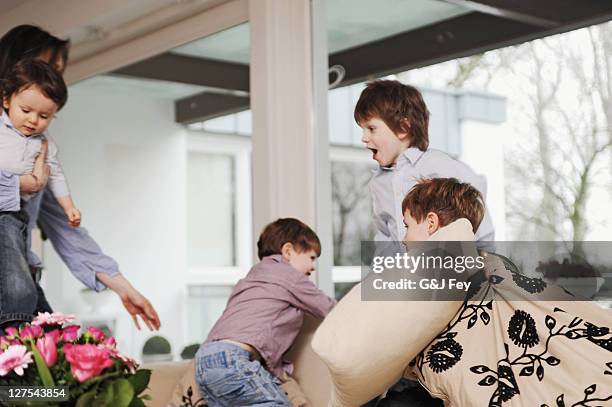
125 160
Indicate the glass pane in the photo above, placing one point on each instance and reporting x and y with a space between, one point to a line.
223 124
210 210
352 210
205 304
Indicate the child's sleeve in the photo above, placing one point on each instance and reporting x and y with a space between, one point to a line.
9 191
57 179
310 299
382 228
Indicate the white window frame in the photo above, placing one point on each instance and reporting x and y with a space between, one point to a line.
239 147
350 154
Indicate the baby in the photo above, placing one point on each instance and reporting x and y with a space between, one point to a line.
31 95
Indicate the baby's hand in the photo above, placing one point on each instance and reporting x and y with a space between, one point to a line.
74 217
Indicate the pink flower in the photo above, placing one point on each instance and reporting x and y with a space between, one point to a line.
48 349
56 318
55 334
15 358
110 342
131 363
95 333
70 333
4 342
114 353
30 332
11 332
87 361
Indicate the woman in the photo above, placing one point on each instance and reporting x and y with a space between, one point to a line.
20 294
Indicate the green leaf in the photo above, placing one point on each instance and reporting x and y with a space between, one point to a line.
140 380
86 399
43 369
136 402
105 398
124 393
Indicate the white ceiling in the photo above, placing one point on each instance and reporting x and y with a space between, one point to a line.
350 23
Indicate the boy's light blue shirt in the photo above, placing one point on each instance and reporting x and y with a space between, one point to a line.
389 186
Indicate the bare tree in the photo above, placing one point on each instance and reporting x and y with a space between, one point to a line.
572 136
352 210
560 109
465 69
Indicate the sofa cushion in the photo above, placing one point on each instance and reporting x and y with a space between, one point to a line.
368 344
186 392
521 342
164 378
309 371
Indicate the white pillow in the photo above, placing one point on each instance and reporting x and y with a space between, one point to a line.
367 344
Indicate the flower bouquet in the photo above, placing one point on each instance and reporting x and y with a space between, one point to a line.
50 353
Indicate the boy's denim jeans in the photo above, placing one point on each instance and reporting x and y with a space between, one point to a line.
227 377
20 295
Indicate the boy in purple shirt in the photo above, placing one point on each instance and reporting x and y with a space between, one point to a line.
241 364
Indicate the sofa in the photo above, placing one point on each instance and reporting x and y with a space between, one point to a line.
171 380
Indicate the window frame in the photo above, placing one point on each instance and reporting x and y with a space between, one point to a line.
239 147
350 154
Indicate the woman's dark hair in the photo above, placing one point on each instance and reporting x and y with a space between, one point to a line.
32 72
29 42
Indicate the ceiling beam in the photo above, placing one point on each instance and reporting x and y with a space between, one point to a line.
457 37
208 105
190 70
454 38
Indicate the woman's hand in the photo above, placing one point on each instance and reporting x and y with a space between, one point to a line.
136 304
37 180
133 301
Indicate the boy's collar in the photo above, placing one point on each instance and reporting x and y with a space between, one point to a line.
410 155
277 258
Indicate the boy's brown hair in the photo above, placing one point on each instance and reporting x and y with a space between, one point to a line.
39 73
287 230
400 106
448 198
